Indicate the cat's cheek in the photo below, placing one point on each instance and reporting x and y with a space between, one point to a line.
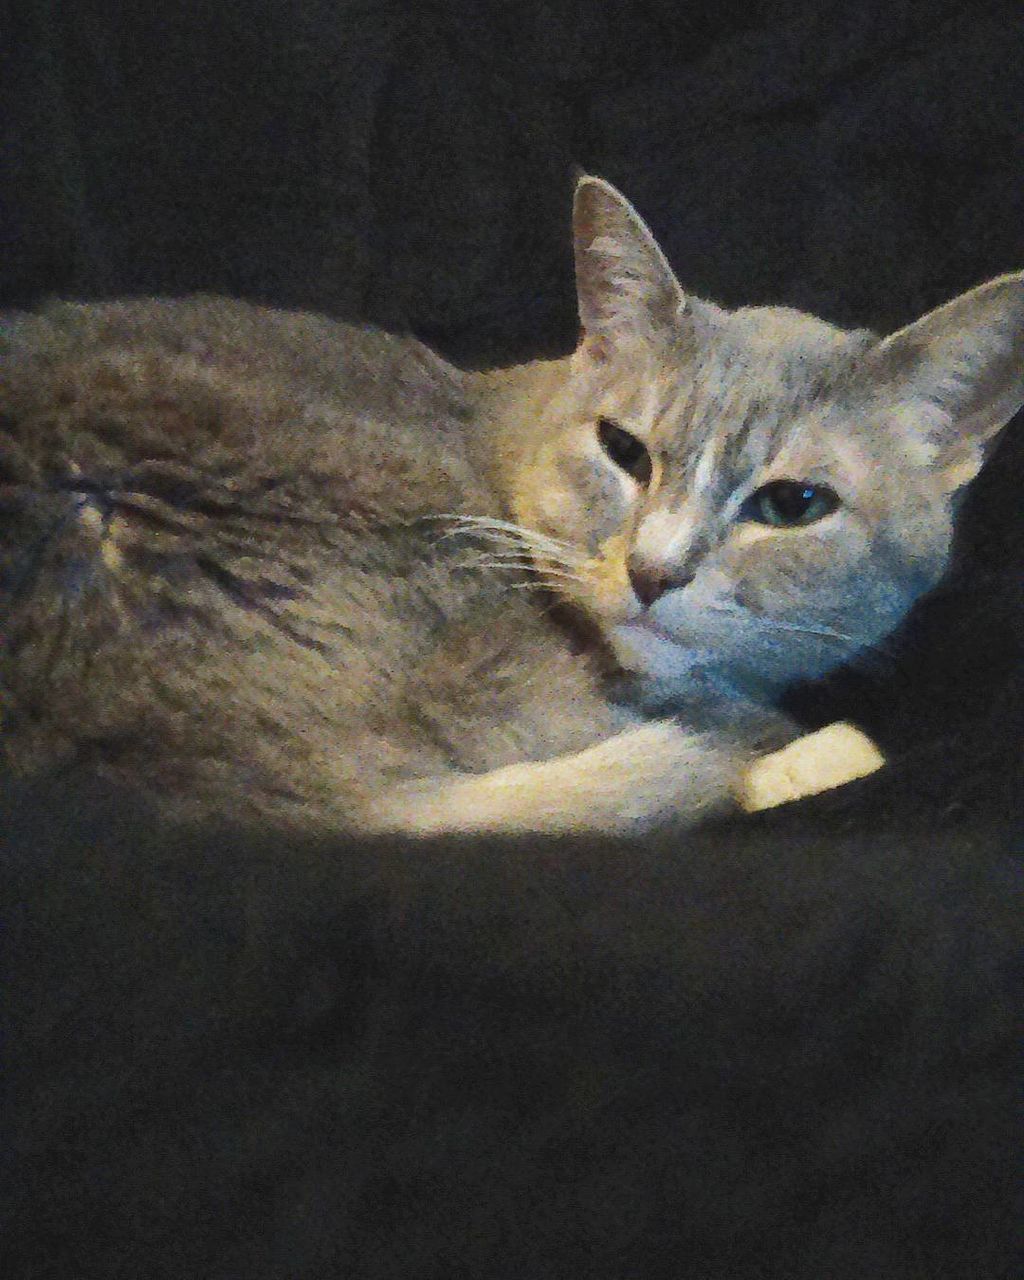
799 575
565 503
604 588
875 610
601 494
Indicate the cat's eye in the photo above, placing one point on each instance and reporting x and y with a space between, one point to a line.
785 504
625 450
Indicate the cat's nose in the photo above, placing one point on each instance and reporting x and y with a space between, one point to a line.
649 581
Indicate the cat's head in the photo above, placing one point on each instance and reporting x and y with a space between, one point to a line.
754 491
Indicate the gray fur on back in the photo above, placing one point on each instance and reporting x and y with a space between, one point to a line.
222 574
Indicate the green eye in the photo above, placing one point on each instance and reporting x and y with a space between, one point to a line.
785 504
625 450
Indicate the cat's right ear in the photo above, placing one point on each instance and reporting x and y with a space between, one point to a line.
624 284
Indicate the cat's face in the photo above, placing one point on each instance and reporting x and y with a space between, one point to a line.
754 491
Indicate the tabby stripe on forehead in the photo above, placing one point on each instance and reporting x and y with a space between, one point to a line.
710 468
652 405
706 472
758 435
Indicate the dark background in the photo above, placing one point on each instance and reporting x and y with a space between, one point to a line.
783 1050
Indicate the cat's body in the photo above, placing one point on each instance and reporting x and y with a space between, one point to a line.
265 561
224 574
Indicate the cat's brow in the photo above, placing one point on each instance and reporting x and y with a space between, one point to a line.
731 431
719 431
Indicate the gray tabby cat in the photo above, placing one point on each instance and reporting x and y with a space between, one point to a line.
266 563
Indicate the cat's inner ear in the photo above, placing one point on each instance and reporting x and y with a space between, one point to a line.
958 376
624 284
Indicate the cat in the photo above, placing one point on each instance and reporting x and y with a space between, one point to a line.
273 564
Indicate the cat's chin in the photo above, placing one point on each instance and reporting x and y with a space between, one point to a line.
642 647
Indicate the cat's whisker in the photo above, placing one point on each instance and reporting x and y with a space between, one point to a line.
562 575
796 628
491 522
553 553
547 555
540 584
536 585
777 624
542 560
506 532
528 566
502 541
508 555
542 564
493 563
502 559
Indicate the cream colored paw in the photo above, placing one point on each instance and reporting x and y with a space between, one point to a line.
816 762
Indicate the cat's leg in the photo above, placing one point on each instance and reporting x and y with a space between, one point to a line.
645 776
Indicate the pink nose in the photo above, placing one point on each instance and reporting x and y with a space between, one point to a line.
649 582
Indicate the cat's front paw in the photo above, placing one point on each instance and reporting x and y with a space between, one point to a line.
816 762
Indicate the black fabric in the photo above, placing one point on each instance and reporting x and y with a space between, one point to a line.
783 1050
758 1053
411 164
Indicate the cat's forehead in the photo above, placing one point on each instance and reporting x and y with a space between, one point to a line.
766 381
772 361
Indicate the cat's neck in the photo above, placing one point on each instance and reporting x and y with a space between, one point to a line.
512 406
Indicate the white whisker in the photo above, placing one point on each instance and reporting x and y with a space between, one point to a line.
489 522
536 585
493 563
560 575
546 575
505 532
777 624
514 559
826 633
524 563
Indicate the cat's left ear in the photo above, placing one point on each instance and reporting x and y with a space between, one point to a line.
959 373
624 284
